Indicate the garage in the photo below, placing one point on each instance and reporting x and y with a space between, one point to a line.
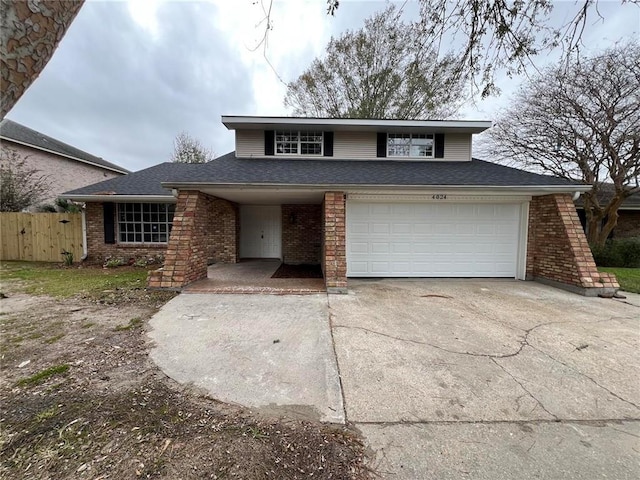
445 237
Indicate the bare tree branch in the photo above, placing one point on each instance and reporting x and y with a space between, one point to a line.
580 121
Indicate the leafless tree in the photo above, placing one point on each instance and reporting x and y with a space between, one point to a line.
491 35
29 35
580 121
21 186
387 69
187 149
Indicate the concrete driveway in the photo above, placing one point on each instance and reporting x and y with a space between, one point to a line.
446 379
490 379
270 352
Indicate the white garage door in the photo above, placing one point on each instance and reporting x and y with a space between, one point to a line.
432 239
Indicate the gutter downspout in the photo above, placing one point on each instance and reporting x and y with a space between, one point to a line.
85 252
576 196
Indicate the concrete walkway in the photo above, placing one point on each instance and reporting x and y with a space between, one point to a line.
270 352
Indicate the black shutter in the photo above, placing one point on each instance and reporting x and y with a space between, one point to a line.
382 144
269 142
438 139
328 144
109 222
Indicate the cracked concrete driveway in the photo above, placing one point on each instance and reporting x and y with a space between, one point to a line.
490 379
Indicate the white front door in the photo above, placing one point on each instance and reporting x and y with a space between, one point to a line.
260 231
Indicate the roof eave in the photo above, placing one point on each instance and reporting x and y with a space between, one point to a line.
117 198
233 122
523 188
70 157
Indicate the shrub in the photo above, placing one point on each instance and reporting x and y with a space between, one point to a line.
621 253
67 257
113 262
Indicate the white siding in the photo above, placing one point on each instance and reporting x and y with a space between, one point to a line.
457 147
353 145
250 143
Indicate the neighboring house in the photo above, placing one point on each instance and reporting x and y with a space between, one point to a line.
363 198
65 166
628 214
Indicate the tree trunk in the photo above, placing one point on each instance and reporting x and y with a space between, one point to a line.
611 212
31 31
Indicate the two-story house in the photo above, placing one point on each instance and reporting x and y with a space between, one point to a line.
63 166
361 197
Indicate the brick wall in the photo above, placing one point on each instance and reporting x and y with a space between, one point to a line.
224 231
334 258
628 224
98 251
557 248
63 174
204 228
301 234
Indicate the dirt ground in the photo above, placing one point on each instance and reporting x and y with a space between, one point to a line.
80 399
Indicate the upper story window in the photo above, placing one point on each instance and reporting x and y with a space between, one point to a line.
145 222
296 142
417 145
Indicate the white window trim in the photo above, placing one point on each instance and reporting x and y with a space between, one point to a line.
142 222
419 157
299 143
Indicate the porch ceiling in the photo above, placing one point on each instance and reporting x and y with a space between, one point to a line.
262 196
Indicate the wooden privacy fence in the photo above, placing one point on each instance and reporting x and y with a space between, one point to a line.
40 237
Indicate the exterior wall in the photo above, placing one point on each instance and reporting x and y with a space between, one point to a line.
224 231
334 257
63 173
250 143
557 250
628 224
353 145
98 251
301 234
198 219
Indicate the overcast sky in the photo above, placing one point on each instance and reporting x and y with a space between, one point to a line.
129 76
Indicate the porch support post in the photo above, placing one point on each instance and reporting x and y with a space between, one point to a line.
334 257
187 252
558 253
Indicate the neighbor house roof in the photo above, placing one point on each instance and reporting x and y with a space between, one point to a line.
605 194
324 173
14 132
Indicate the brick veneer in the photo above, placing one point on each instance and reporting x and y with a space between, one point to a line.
628 224
301 234
204 228
334 258
98 251
557 250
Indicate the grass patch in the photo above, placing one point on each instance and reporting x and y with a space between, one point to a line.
50 279
43 375
628 278
133 323
87 325
54 339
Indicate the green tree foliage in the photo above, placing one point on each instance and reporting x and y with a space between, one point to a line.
21 187
387 69
187 149
580 121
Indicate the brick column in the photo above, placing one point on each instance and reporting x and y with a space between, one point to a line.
557 250
187 254
334 257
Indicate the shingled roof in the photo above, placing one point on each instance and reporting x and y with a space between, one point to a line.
319 172
605 195
14 132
